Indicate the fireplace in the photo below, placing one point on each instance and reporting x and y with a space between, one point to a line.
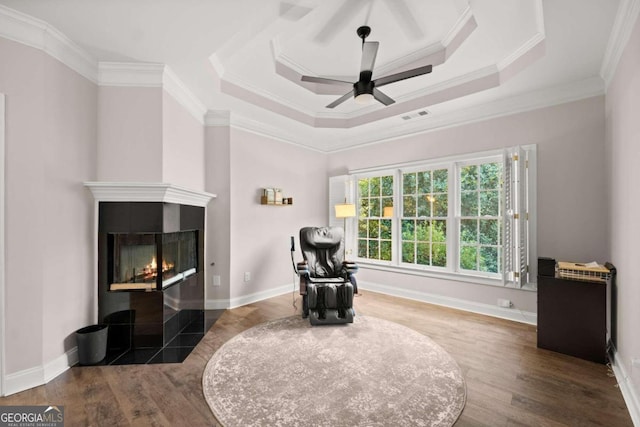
151 280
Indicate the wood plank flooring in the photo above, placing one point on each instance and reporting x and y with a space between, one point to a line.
510 382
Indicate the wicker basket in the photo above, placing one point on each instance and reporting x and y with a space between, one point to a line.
579 271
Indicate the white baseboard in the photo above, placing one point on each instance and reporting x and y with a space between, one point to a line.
39 375
221 304
474 307
626 387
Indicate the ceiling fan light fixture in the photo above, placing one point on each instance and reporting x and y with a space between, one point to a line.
364 99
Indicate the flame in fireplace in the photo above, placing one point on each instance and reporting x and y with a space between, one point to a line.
150 271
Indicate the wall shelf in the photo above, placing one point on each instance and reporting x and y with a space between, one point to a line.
264 201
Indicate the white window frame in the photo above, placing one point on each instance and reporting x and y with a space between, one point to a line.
524 160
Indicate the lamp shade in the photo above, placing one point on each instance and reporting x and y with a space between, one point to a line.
387 211
345 210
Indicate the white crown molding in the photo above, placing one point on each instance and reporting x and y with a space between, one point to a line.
147 192
451 84
271 132
217 118
179 91
521 51
151 75
131 74
434 54
625 21
33 32
474 81
38 34
466 18
529 101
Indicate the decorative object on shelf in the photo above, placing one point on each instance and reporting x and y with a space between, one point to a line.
273 196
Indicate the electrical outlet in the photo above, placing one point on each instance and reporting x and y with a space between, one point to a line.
247 276
504 303
216 280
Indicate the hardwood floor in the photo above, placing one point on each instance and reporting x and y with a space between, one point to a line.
510 382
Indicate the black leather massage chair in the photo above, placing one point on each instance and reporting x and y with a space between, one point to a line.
327 281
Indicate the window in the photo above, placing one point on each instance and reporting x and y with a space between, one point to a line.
425 202
480 235
375 207
465 215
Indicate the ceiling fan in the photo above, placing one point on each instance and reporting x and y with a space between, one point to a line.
365 89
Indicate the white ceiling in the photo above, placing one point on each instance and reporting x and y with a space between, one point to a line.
247 56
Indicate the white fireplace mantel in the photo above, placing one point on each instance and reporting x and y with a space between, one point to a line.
147 192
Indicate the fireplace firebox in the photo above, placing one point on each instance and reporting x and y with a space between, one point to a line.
151 261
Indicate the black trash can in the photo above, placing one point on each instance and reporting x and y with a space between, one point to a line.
92 344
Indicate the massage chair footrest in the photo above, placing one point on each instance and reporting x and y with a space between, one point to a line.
331 317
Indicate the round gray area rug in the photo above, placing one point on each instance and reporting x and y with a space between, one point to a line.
369 373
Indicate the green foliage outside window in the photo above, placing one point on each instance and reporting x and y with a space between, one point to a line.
374 229
424 212
480 223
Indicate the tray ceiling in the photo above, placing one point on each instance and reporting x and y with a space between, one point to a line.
247 56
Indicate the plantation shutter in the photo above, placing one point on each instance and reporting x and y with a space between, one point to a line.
509 246
516 216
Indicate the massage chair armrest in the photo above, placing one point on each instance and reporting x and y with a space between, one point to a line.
303 268
349 267
303 272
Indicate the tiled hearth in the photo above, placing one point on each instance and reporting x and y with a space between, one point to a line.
174 352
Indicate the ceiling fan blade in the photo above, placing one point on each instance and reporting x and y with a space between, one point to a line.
325 81
377 94
369 52
341 99
403 75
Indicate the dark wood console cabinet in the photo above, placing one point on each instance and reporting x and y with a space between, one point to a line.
573 317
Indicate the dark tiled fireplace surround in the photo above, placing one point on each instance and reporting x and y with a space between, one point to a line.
151 277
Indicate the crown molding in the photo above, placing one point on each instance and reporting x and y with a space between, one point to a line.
179 91
217 118
435 54
271 132
151 75
625 21
524 49
147 192
529 101
503 107
33 32
131 74
465 25
38 34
